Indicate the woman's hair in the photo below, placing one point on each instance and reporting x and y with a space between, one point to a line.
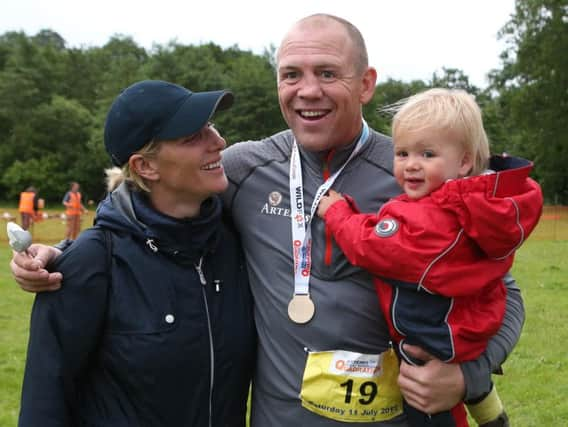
113 178
115 175
445 109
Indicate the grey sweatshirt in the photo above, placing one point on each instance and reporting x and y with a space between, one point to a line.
347 314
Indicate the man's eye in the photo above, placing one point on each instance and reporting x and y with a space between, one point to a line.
326 74
290 76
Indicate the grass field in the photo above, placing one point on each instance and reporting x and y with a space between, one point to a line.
534 385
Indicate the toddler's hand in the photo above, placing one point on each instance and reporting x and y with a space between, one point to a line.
326 201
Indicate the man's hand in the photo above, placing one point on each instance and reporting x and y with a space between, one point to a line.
29 268
434 387
326 201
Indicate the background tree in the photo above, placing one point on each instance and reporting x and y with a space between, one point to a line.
256 113
54 99
53 102
46 145
533 90
453 78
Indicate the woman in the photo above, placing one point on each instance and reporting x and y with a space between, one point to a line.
153 323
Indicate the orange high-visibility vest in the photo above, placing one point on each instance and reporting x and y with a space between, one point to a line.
74 204
27 202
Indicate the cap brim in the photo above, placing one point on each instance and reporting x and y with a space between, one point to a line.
194 113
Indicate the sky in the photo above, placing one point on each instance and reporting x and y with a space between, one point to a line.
406 39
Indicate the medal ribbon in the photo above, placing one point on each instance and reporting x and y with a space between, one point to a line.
301 230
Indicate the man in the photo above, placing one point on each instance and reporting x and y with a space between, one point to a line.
323 81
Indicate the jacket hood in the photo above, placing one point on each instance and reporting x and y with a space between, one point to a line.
184 240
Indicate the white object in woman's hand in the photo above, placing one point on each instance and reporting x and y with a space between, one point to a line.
19 239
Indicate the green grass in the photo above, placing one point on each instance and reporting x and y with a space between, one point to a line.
15 306
534 385
14 317
46 231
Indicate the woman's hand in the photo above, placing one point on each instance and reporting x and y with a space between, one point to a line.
28 268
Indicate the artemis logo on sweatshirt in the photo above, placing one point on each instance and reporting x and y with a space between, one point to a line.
272 207
275 198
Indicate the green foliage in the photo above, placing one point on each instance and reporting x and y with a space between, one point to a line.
54 99
51 129
256 113
53 102
533 87
42 172
453 78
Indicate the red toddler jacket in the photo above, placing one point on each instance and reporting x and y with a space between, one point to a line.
439 261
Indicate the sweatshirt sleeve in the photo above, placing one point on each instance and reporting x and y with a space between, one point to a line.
477 373
65 328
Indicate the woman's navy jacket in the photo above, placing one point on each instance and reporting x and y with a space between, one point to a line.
137 339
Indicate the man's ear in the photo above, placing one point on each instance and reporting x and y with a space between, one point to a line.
466 164
143 167
369 82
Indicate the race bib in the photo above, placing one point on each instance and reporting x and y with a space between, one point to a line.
352 387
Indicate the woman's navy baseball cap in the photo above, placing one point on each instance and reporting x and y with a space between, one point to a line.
154 110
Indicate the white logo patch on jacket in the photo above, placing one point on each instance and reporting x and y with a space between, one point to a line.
386 227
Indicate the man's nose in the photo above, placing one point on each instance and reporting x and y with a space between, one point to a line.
310 87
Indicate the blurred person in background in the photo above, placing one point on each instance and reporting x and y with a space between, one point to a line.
28 206
74 208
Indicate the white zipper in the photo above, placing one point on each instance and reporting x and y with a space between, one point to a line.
152 245
200 271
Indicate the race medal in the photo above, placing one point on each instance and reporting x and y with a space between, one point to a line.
301 309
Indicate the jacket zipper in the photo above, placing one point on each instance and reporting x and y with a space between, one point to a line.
198 268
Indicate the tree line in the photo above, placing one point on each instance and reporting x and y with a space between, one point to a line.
53 99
